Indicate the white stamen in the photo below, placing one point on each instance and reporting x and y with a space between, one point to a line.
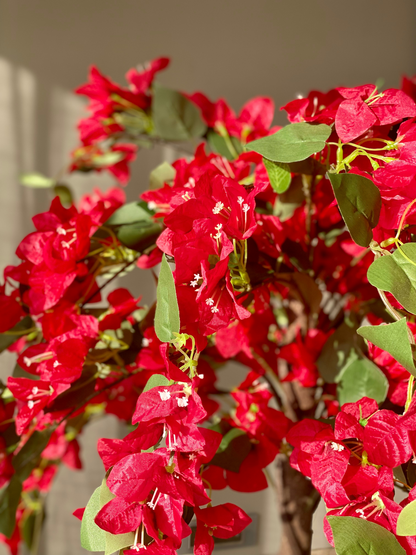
164 395
209 302
182 401
218 207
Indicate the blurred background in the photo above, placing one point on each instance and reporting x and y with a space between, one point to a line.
234 49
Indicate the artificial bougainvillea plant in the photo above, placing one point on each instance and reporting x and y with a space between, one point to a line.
289 250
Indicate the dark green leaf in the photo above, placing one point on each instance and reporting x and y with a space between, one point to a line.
7 339
92 537
357 536
36 180
167 310
310 166
139 236
29 455
156 380
359 202
361 378
219 145
394 339
175 117
406 523
292 143
65 195
164 173
396 273
279 175
130 213
234 448
9 500
337 350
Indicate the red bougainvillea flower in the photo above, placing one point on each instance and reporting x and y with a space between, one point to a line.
223 521
364 107
317 106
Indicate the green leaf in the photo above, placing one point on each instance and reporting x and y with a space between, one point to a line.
406 523
65 195
7 339
92 537
139 236
286 203
218 144
357 536
36 180
9 500
130 213
337 350
175 117
292 143
167 310
394 339
156 380
396 273
164 173
279 175
310 166
29 455
108 159
113 542
233 449
361 378
359 202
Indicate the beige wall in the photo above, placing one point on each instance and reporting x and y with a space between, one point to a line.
231 48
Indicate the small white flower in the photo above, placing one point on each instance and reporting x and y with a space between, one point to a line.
240 200
209 302
30 404
337 446
218 207
182 401
201 376
214 309
55 364
164 395
145 342
151 205
246 207
61 231
194 283
65 244
27 361
217 236
197 277
35 390
218 227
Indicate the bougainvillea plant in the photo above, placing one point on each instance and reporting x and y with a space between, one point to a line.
289 250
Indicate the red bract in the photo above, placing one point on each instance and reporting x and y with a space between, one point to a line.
223 521
364 107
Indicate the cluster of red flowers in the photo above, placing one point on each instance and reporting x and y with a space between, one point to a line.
269 277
